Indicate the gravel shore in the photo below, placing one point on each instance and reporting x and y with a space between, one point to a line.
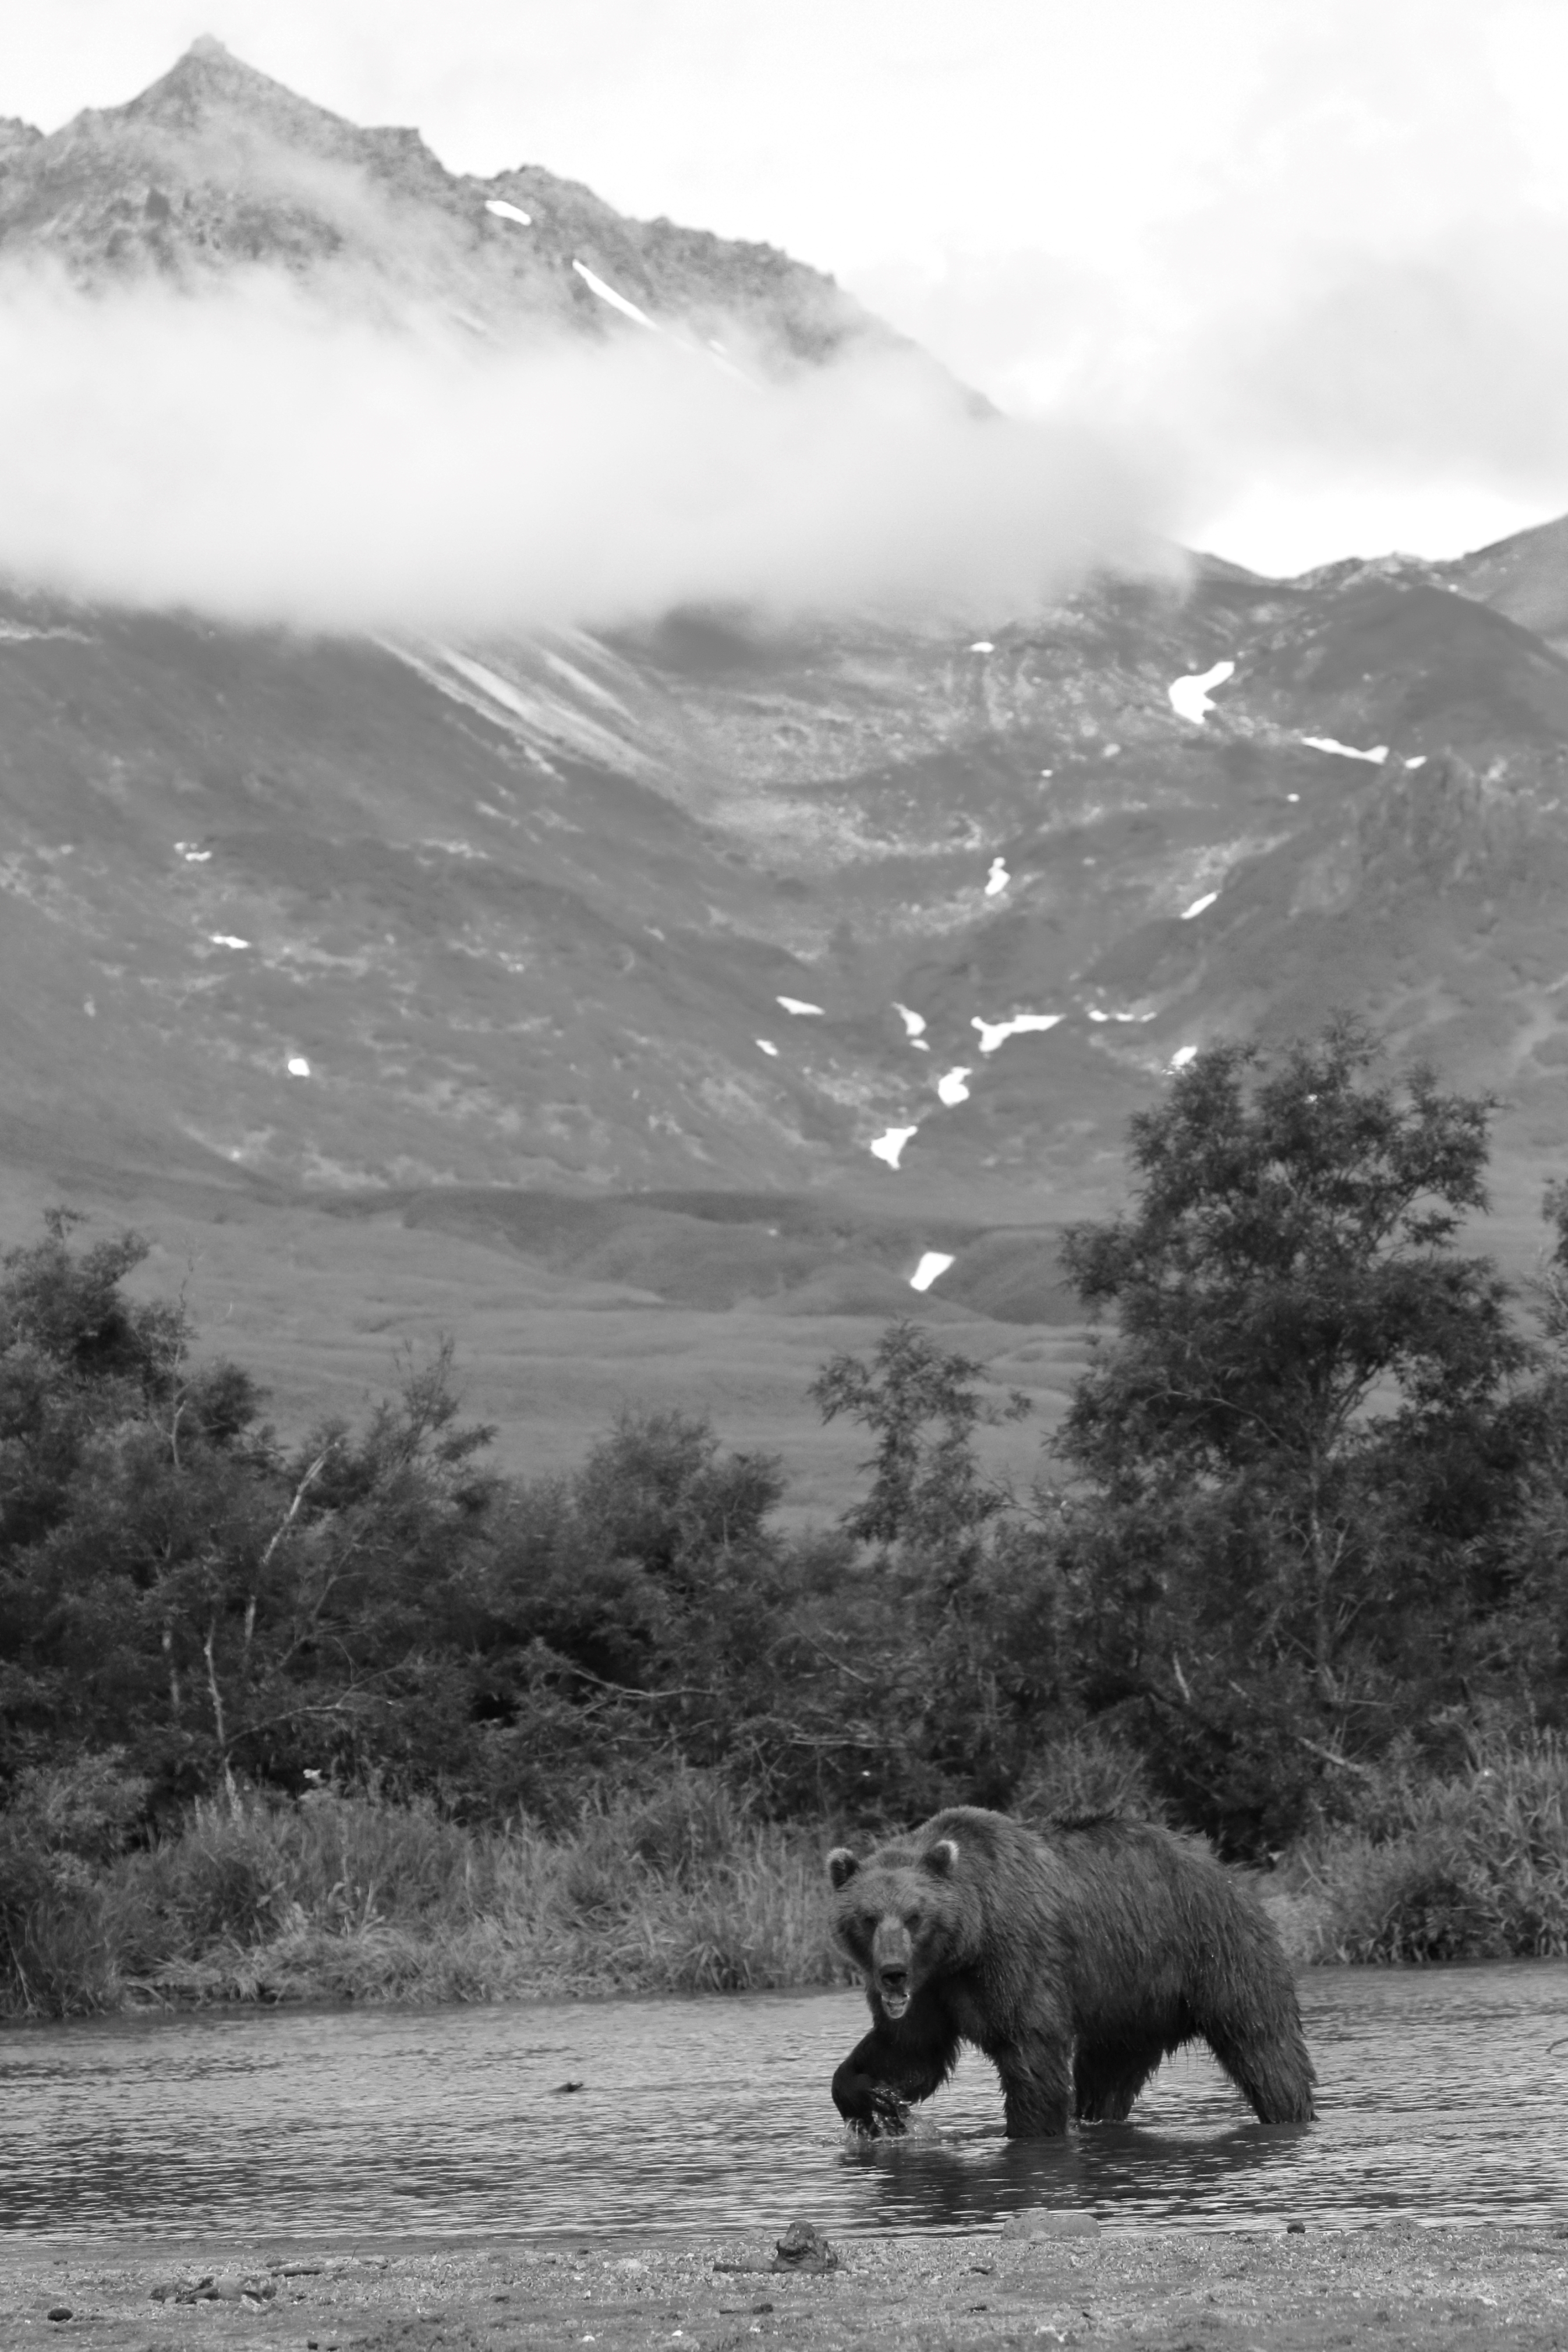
1174 2290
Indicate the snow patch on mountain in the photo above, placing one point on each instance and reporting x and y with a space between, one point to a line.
1378 755
596 285
952 1087
998 877
889 1145
933 1264
538 718
1191 698
799 1005
997 1032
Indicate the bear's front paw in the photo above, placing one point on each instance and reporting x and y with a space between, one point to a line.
889 2116
871 2108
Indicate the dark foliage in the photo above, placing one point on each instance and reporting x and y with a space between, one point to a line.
374 1608
1315 1510
1304 1453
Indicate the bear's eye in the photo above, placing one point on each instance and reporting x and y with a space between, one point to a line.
866 1923
912 1920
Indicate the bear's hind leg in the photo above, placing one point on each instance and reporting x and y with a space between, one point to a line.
1108 2075
1271 2071
1247 2013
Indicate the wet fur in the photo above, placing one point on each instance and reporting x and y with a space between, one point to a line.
1076 1959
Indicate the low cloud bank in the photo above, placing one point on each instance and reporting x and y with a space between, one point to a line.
1327 395
1344 325
249 457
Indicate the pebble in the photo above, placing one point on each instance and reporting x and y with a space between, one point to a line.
1049 2221
226 2287
59 2310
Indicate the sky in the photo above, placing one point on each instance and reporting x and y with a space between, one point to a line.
1305 260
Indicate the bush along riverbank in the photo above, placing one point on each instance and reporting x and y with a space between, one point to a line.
358 1716
681 1890
348 1898
1471 1866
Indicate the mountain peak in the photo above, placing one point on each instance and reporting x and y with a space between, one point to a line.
217 167
209 79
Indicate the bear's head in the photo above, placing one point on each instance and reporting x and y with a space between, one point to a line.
899 1917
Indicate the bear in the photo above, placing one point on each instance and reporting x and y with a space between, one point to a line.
1076 1957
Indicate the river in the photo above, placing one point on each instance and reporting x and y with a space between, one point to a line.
1442 2097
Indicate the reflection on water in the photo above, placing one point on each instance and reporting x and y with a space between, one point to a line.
1442 2097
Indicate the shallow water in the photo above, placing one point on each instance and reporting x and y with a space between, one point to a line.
1442 2098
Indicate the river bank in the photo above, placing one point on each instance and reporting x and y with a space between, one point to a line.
679 1888
1399 2286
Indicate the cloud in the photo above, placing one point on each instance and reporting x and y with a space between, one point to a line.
1320 385
1448 356
1350 315
257 457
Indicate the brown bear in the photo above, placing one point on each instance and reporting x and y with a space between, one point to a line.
1076 1959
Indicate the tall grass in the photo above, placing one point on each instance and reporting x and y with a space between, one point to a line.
1473 1865
345 1898
679 1890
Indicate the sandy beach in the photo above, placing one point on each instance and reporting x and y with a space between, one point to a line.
1400 2285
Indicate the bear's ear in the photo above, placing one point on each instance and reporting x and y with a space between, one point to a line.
842 1867
941 1857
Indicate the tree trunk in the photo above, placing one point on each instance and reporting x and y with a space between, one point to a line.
231 1787
1321 1559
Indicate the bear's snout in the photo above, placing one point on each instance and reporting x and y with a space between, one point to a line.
892 1962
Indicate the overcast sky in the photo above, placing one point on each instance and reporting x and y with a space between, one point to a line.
1311 255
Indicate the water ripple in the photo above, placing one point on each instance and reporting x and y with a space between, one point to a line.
1441 2100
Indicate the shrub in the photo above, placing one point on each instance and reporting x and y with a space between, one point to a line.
61 1823
674 1889
1092 1770
1471 1866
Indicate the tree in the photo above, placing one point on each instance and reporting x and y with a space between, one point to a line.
121 1465
922 1406
1294 1315
174 1587
952 1656
1524 1642
76 1358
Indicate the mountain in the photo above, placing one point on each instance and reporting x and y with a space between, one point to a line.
1525 576
722 964
217 169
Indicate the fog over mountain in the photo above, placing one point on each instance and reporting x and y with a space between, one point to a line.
563 738
261 364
